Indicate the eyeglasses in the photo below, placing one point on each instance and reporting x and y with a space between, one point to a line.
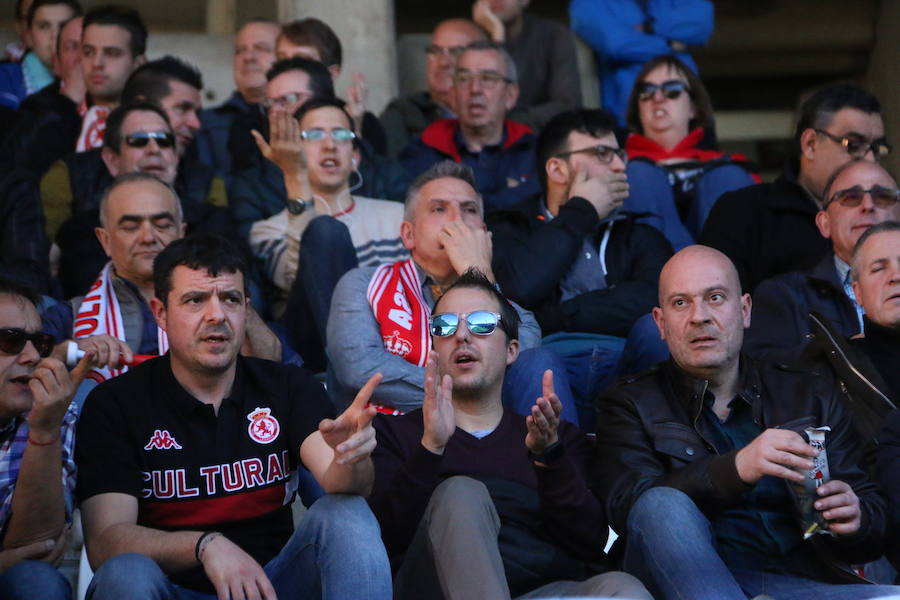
337 134
882 197
671 89
479 322
139 139
603 153
434 51
13 340
488 79
858 147
294 98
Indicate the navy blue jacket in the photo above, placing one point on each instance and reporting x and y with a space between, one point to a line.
780 327
532 256
505 174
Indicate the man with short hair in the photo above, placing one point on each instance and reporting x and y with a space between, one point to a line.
21 79
187 463
72 187
836 125
324 230
140 214
406 117
700 459
544 51
475 501
587 271
37 429
499 151
857 196
314 39
224 141
379 314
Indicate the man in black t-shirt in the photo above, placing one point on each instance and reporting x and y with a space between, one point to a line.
476 501
187 463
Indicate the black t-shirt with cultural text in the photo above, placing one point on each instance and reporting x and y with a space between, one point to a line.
144 435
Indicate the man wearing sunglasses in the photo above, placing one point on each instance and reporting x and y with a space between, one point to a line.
770 228
587 271
459 473
498 150
37 431
378 320
857 196
323 229
406 117
72 187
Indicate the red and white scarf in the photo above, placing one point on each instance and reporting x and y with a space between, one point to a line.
99 314
395 294
93 125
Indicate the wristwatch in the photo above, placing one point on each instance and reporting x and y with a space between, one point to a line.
550 455
297 206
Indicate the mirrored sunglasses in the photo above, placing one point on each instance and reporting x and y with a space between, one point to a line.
338 134
13 340
479 322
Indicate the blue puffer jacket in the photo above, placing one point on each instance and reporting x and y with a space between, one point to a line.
505 174
610 28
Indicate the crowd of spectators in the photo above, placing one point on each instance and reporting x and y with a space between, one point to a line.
474 334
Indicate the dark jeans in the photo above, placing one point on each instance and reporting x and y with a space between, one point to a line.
326 253
671 548
31 579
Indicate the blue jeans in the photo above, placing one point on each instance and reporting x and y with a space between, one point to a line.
591 361
651 193
523 383
32 579
643 347
335 553
671 548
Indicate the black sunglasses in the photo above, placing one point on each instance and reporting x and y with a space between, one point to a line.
13 340
479 322
671 89
882 197
139 139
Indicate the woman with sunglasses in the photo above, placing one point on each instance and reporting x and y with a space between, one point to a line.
676 170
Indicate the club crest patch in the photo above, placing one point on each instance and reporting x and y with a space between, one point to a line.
263 428
162 440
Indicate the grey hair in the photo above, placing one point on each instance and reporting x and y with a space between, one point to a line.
446 168
511 72
883 227
134 177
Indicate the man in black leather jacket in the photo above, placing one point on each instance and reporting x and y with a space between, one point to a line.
697 459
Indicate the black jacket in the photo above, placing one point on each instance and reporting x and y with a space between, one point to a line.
532 256
780 326
46 128
766 229
649 435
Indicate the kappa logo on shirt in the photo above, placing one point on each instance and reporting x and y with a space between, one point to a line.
162 440
263 428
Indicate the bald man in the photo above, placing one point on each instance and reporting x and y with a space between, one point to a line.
407 116
700 457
